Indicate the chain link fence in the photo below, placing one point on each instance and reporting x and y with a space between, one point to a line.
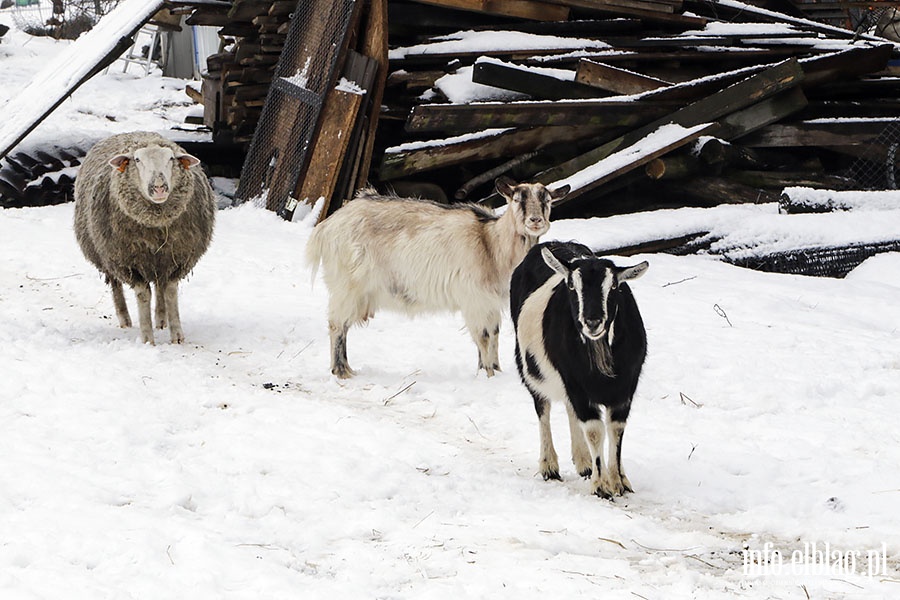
877 168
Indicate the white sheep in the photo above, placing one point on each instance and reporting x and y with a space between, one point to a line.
414 256
144 213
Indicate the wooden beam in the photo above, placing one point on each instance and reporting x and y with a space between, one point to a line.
819 133
375 46
528 81
398 162
524 9
455 118
614 79
623 160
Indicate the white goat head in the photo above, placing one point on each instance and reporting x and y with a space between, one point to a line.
530 202
154 166
594 285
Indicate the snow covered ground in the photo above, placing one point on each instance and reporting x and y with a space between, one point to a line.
764 431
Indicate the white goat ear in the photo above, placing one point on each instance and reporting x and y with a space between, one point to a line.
505 186
554 263
120 161
187 161
627 273
560 193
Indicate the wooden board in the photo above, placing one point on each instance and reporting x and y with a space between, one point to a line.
614 79
508 143
375 46
337 120
525 9
455 118
526 81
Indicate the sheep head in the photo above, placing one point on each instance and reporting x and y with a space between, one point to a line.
153 169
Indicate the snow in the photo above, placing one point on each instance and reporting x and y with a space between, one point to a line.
459 88
456 139
484 41
235 466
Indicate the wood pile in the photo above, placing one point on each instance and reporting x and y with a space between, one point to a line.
637 104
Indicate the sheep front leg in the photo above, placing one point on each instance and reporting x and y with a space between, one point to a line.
339 365
142 292
160 317
119 302
170 310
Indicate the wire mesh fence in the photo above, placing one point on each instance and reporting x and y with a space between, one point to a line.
279 152
877 168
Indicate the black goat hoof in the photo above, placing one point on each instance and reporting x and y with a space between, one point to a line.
548 475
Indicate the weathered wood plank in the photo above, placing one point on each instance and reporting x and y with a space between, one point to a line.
819 133
338 116
614 79
444 153
628 158
375 47
525 9
527 81
455 118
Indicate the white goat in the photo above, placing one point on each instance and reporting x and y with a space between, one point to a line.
416 256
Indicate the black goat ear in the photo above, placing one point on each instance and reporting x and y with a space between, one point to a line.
633 272
505 186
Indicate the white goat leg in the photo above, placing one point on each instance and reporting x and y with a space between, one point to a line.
549 461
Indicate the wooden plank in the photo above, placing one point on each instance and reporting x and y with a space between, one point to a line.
846 64
455 118
375 46
600 6
525 9
444 153
614 79
528 81
337 119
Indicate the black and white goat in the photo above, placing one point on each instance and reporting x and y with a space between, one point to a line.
580 339
414 256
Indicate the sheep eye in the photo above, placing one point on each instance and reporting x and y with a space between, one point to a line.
136 159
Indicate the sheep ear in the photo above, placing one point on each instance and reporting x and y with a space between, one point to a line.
627 273
554 263
120 161
187 161
559 193
505 186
